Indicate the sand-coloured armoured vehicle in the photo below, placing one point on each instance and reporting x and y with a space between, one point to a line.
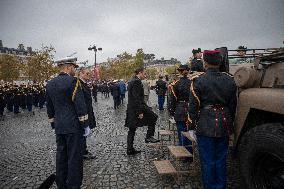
259 121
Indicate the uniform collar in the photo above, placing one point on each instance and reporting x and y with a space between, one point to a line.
212 70
83 80
64 73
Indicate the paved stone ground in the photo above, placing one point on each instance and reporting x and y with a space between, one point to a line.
27 153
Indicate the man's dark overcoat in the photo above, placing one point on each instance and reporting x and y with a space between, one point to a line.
136 105
91 122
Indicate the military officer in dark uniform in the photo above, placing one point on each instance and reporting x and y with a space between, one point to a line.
41 95
95 88
67 114
35 95
138 113
29 92
196 63
179 105
17 99
212 109
2 101
9 97
23 97
85 76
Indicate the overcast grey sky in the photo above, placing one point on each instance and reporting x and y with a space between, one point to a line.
167 28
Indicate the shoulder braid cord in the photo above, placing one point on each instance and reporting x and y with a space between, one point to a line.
197 99
75 89
171 86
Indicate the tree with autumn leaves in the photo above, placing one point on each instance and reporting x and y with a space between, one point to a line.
40 67
124 65
37 67
10 67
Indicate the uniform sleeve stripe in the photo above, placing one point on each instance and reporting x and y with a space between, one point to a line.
83 118
194 94
75 90
51 120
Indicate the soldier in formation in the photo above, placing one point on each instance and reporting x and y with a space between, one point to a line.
17 98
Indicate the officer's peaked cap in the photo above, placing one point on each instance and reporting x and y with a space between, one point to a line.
212 57
67 60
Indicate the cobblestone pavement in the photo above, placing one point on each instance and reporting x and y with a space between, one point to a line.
27 158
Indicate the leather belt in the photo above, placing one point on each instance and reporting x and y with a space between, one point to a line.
182 101
215 106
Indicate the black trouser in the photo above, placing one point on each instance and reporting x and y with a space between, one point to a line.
84 145
69 161
116 101
41 100
95 97
131 135
1 109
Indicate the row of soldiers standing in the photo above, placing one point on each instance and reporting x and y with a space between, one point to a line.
14 97
204 105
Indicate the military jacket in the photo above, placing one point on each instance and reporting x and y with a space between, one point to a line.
197 65
212 103
179 99
65 104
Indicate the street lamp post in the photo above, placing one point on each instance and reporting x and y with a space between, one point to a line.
94 47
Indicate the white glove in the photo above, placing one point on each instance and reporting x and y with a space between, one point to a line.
192 134
87 131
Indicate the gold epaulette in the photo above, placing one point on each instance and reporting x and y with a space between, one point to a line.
228 74
196 75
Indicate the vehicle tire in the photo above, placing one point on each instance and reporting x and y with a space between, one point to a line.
261 156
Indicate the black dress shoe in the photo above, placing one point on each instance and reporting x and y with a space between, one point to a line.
151 140
133 152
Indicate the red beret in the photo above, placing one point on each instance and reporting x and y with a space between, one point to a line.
212 57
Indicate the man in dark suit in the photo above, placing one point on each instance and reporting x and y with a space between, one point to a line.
138 113
85 76
212 106
161 89
67 114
